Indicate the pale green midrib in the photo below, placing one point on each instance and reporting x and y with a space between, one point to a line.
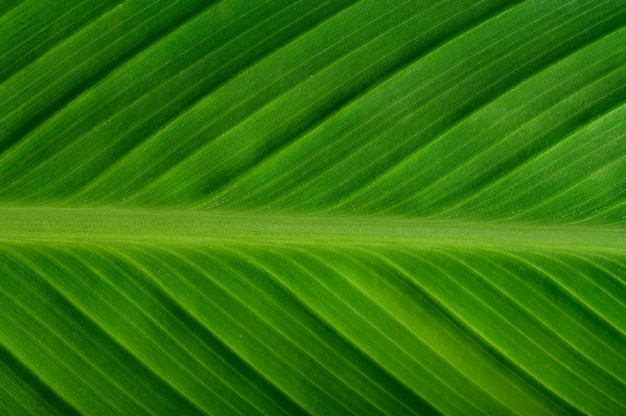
34 224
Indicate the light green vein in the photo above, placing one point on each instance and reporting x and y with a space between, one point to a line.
144 226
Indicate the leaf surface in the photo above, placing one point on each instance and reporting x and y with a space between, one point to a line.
304 207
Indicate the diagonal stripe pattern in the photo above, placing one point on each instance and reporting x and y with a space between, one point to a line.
313 207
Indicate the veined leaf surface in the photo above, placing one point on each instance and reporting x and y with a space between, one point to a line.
313 207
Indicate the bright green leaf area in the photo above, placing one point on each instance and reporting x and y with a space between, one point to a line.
313 207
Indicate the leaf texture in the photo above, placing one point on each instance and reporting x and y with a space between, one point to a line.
313 207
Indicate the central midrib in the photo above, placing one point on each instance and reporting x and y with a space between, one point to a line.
200 227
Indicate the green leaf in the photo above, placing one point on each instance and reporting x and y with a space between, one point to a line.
303 207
